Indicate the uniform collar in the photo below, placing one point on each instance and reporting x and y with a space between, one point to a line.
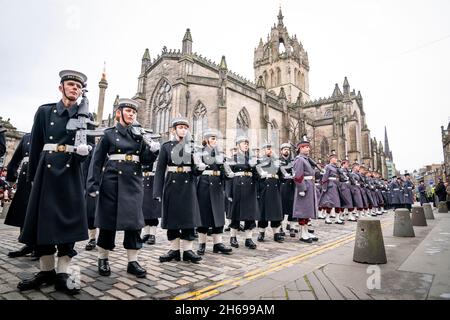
122 130
60 108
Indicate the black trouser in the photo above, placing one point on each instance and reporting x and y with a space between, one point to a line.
248 224
131 241
215 230
408 206
90 221
265 224
151 222
66 249
183 234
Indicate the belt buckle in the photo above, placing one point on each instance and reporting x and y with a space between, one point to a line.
216 173
61 148
247 174
128 157
180 170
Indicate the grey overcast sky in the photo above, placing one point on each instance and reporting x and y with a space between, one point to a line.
395 51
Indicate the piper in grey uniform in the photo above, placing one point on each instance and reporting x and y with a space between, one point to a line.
330 198
18 207
270 208
56 212
151 208
211 196
178 192
408 188
287 188
305 201
115 177
243 193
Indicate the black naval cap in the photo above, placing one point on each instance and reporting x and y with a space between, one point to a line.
73 75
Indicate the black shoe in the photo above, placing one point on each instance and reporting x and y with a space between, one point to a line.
34 256
288 227
309 240
261 237
250 244
234 243
282 233
221 248
201 249
190 255
65 284
227 229
277 237
292 233
103 267
20 253
209 233
310 230
171 255
91 245
151 240
196 234
145 238
135 269
40 278
241 228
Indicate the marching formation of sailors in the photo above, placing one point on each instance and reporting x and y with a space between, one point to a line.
125 181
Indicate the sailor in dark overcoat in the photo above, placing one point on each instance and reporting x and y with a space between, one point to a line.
175 184
90 202
210 194
287 188
18 207
56 212
115 178
152 208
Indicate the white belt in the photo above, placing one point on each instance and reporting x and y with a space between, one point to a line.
332 178
26 159
317 184
54 147
123 157
357 184
347 182
308 177
181 169
243 173
148 174
409 188
213 173
396 189
274 176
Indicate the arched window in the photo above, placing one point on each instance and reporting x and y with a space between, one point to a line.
295 77
242 122
281 47
274 134
162 104
272 80
278 76
366 147
200 122
266 78
302 81
324 149
352 138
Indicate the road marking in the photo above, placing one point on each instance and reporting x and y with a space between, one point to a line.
211 290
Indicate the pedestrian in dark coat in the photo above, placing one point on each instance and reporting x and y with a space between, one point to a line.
269 196
18 207
330 198
56 212
115 177
152 208
211 196
422 193
305 201
178 191
244 202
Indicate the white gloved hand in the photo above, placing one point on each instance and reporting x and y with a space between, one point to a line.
154 146
93 194
83 150
230 199
289 176
264 175
252 162
231 175
201 166
302 194
158 199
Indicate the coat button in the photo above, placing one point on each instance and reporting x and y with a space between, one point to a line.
210 183
118 150
73 139
173 181
54 111
68 165
117 131
117 139
49 166
51 137
148 185
26 153
28 143
52 123
120 172
185 181
135 173
137 152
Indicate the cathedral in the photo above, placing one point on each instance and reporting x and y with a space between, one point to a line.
276 107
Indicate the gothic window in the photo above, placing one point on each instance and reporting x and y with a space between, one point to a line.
352 138
200 122
302 81
299 80
266 78
274 134
295 76
281 47
242 122
162 105
366 147
324 148
278 76
272 80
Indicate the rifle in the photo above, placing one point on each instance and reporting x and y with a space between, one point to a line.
80 124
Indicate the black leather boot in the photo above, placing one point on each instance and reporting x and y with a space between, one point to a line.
201 249
91 245
40 278
145 238
292 233
103 267
64 284
171 255
277 237
250 244
151 240
190 255
282 233
234 243
20 253
221 248
261 236
135 269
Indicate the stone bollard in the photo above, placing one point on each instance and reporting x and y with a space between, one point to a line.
403 226
442 207
418 217
428 211
369 244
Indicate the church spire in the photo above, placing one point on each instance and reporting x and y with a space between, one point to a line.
346 87
187 42
280 18
387 150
